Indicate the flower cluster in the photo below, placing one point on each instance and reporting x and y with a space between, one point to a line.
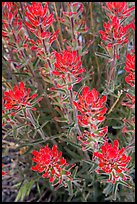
74 17
130 101
10 11
53 166
130 68
19 98
130 79
3 172
129 126
92 110
37 15
39 20
37 45
10 20
39 23
119 9
114 33
91 107
113 161
68 67
75 7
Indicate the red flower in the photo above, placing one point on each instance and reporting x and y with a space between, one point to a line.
68 66
114 33
130 101
10 21
119 9
37 44
52 164
7 4
77 7
3 172
113 161
18 98
92 107
130 68
130 79
39 21
129 126
37 15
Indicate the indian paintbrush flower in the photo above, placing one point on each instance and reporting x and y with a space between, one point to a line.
113 161
114 33
40 21
130 68
68 67
19 98
91 107
53 166
118 9
3 172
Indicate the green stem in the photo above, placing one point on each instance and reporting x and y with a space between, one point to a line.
39 130
74 111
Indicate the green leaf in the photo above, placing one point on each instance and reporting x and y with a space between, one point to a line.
102 55
24 190
108 189
75 172
118 127
28 150
38 188
29 187
19 73
19 193
61 120
73 144
72 153
32 143
70 188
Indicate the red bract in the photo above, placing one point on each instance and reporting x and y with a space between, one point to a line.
10 21
39 21
119 9
18 98
37 45
130 101
113 161
37 15
75 8
91 107
130 68
114 33
68 67
10 10
52 164
129 126
7 4
130 79
3 172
